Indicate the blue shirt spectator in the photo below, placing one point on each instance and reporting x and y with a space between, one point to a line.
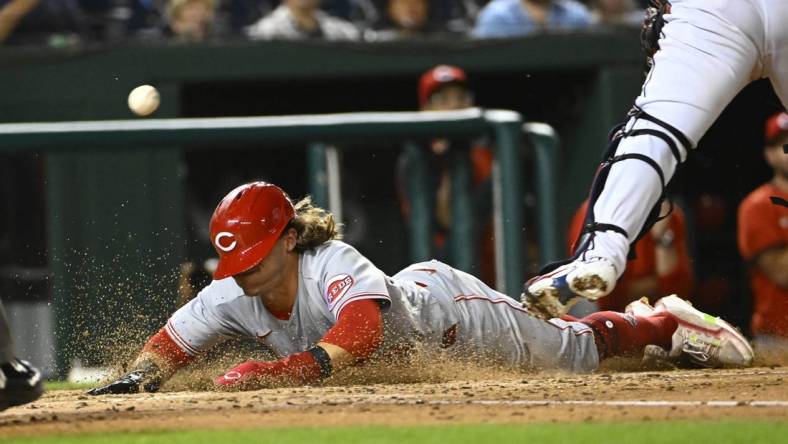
512 18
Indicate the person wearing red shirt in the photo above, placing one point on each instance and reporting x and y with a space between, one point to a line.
763 241
445 88
661 266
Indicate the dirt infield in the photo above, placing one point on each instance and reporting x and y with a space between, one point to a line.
755 393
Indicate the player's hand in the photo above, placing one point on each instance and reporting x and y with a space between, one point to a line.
299 368
128 383
250 372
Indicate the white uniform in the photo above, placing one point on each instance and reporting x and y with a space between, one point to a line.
709 51
429 303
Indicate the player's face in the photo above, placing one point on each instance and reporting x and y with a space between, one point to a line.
408 14
448 98
193 21
302 4
777 159
268 277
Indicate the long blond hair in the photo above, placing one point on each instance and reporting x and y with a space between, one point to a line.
314 225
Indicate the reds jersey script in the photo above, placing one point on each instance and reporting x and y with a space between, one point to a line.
429 303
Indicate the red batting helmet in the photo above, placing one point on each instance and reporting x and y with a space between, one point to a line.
776 126
437 77
246 225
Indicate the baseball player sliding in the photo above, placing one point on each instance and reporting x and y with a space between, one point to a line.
286 279
707 51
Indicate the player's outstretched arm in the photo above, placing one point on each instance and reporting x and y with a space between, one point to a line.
156 363
356 335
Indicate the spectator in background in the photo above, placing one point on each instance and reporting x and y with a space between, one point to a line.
11 13
464 10
763 242
180 20
146 18
190 20
445 88
404 19
514 18
616 13
302 20
661 266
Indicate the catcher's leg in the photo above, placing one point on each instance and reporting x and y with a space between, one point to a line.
697 72
776 57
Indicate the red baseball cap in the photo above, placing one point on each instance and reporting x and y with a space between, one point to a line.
776 126
438 77
246 224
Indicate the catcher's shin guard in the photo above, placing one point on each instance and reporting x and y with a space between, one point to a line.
661 162
669 135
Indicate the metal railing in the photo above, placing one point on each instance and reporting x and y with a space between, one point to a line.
544 141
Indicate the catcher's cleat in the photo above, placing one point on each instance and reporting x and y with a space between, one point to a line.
702 340
20 383
551 295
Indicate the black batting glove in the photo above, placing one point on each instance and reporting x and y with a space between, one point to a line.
128 383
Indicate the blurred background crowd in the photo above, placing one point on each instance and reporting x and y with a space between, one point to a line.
78 22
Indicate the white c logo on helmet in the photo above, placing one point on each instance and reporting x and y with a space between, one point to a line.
219 245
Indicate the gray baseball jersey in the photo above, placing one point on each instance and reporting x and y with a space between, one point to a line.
430 303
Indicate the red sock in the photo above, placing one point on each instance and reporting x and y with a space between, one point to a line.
619 334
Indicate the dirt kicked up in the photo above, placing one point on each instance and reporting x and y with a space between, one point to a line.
755 393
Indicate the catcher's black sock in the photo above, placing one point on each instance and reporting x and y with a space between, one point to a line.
618 334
